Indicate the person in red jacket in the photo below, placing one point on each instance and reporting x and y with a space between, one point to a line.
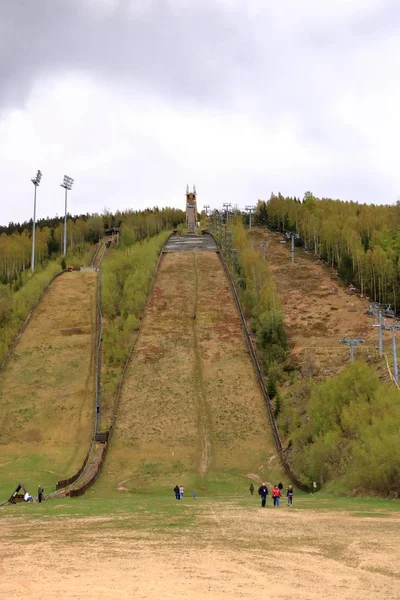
276 495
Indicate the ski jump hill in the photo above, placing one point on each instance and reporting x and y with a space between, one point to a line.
190 410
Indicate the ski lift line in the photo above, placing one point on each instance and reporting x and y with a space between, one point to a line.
349 283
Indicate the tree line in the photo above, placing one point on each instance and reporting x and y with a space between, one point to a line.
20 288
82 230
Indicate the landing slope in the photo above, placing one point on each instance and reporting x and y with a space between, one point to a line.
191 411
46 390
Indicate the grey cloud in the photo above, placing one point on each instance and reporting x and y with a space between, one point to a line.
185 53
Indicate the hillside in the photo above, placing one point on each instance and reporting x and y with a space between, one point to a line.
191 411
319 310
47 388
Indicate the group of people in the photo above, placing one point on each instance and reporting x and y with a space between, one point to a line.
179 492
29 498
276 493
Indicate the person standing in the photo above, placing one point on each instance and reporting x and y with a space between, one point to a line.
194 494
276 495
289 495
263 492
251 489
181 491
40 493
177 494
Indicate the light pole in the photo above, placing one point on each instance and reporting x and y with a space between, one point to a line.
67 185
250 210
36 182
351 342
205 208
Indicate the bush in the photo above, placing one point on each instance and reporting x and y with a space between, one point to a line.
260 301
126 278
351 431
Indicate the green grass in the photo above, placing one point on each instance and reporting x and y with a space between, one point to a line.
162 512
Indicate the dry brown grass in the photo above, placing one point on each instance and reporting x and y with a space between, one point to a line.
47 388
318 309
191 408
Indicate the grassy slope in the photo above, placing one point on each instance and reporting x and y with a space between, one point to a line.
46 390
191 411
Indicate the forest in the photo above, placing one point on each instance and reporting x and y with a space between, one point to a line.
360 241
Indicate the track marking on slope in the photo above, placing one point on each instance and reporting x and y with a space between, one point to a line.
200 392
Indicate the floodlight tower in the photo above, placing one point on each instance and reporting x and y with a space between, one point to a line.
351 342
67 185
250 209
394 327
36 182
205 208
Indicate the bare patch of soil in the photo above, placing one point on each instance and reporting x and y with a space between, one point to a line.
319 309
233 552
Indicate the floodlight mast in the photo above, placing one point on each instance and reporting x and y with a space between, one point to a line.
205 208
36 182
67 185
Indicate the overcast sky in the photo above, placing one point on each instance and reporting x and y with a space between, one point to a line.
136 98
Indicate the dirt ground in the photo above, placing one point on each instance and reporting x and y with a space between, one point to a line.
190 404
47 387
235 552
319 309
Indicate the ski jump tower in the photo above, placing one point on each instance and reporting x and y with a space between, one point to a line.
191 210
